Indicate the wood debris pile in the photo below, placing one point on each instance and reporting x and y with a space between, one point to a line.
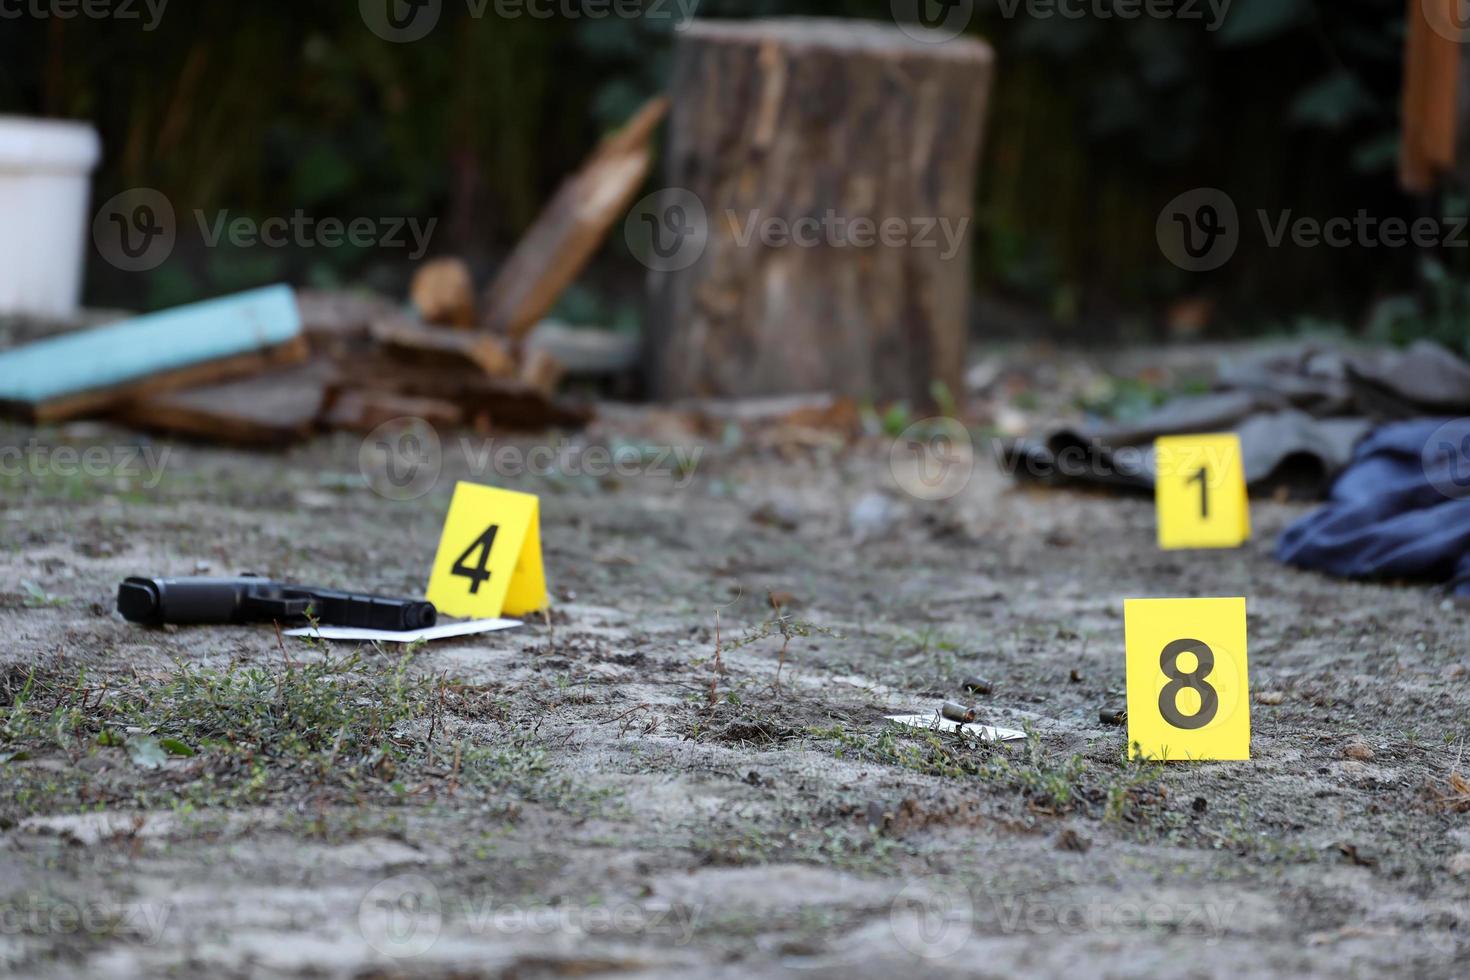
271 366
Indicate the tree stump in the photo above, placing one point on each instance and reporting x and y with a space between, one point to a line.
832 164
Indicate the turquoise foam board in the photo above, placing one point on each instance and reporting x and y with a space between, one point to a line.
118 353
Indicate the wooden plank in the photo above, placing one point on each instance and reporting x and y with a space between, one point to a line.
363 410
337 322
90 370
103 400
508 403
274 409
572 226
414 343
541 371
1430 95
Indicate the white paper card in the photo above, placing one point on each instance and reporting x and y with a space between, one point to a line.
934 723
442 631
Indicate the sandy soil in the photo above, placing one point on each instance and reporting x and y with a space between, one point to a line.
607 816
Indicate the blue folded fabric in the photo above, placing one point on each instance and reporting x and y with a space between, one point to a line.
1401 509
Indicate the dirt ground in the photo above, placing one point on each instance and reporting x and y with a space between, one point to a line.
591 794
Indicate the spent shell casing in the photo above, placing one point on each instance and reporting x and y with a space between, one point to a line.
978 685
954 711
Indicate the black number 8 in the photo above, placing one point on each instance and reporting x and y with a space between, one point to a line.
1209 700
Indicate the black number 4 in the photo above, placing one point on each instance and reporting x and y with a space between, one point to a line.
476 573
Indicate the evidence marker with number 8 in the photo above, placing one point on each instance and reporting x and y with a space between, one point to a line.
1188 692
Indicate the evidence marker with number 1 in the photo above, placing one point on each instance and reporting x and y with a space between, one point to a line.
1188 687
1200 492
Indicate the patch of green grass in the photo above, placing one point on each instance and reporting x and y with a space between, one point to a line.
930 753
324 731
843 848
37 597
1049 783
330 711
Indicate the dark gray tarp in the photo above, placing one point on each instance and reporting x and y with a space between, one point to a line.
1299 416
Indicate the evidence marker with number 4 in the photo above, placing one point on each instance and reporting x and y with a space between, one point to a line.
489 557
1188 686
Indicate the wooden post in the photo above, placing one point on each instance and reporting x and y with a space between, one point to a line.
834 162
1430 106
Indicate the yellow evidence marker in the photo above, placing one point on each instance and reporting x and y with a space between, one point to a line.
1188 692
1199 486
489 558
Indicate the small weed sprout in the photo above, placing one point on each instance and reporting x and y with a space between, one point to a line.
783 625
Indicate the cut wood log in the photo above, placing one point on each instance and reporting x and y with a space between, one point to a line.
443 293
835 162
91 370
273 409
414 343
565 234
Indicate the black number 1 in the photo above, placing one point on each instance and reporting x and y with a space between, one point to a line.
1204 492
476 573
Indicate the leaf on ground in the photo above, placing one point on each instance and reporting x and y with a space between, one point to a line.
175 747
146 752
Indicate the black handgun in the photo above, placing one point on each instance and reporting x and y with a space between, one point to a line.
252 599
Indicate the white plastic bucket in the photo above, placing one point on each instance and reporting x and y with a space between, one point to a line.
45 175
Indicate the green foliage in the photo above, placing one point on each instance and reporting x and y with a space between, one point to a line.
1095 122
1254 21
1439 312
1098 121
1124 399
